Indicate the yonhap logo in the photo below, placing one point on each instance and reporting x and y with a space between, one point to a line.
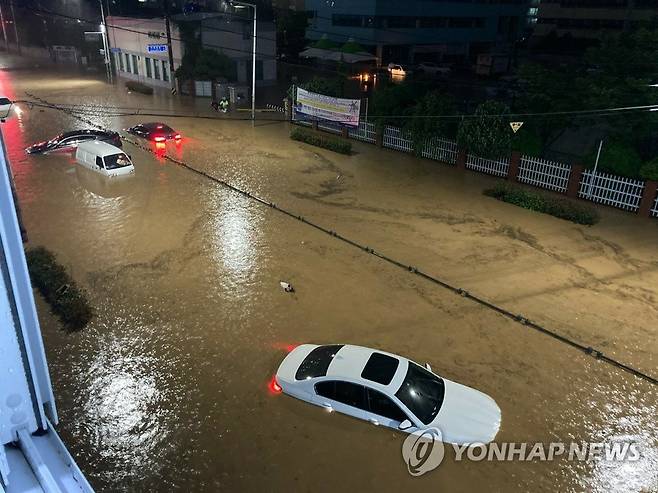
423 451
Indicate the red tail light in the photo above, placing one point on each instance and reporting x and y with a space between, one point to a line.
177 136
159 139
274 386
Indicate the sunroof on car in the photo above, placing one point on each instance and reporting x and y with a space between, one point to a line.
317 362
380 368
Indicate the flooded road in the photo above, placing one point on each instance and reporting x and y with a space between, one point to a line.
167 387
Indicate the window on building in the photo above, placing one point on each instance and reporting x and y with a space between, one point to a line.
149 69
156 69
135 67
120 64
127 62
401 22
165 72
259 69
346 20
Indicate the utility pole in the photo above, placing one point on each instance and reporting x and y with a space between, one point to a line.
4 30
253 55
13 16
596 167
106 45
172 78
253 72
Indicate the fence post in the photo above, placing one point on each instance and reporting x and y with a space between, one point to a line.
514 163
574 180
288 106
648 197
461 158
379 137
344 133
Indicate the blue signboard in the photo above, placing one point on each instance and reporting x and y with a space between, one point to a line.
115 50
157 48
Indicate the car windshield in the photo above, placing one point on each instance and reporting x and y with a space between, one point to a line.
55 140
422 392
158 127
115 161
317 362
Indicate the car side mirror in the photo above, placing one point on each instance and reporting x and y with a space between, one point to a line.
405 425
428 367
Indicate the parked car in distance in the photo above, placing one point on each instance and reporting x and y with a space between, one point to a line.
389 390
397 70
432 68
69 141
104 158
154 131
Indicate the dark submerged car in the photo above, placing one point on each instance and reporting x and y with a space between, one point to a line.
155 131
68 141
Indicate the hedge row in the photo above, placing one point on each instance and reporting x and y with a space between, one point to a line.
333 144
133 85
540 202
60 291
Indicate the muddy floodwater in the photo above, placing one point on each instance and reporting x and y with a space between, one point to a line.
167 388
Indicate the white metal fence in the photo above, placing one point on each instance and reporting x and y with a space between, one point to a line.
497 167
612 190
334 128
617 191
543 173
365 132
441 150
393 139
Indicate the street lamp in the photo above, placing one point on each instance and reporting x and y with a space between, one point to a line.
238 4
106 45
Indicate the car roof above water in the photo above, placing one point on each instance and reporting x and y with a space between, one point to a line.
350 362
99 148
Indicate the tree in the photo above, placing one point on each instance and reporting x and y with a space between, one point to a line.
325 85
618 158
392 103
487 133
206 64
423 124
616 73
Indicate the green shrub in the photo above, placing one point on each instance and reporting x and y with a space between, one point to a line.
649 171
60 291
133 85
333 144
540 202
617 158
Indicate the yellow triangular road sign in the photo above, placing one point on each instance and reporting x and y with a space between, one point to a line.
515 126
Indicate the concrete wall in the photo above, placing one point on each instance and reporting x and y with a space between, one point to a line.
132 37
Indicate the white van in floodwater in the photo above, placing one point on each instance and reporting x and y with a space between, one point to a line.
104 158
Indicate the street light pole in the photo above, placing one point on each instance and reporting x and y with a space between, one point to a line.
253 61
4 30
253 72
13 16
106 45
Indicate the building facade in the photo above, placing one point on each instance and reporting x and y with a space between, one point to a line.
139 49
589 19
232 35
421 29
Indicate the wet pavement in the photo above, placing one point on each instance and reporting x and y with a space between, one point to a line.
167 387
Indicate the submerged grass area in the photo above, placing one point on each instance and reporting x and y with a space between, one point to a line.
332 143
541 202
66 300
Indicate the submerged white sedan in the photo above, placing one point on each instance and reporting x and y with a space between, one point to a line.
387 390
